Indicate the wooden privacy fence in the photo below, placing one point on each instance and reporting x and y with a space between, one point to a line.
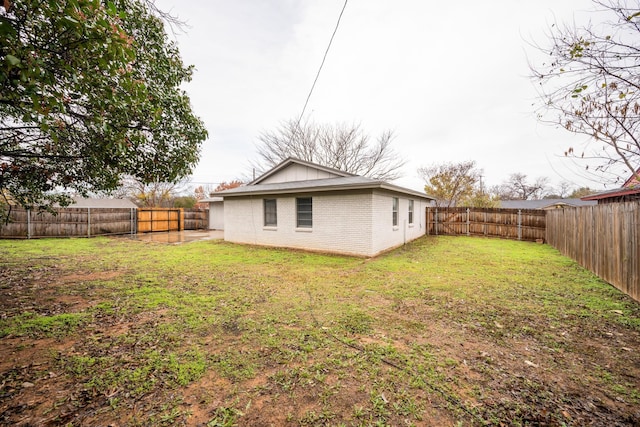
160 219
28 224
196 219
602 238
88 222
172 219
515 224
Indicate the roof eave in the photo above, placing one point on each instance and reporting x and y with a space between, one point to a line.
364 186
606 195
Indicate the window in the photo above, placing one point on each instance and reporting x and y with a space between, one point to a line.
270 213
304 212
395 211
410 211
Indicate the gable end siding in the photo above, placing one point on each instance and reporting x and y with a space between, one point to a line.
297 172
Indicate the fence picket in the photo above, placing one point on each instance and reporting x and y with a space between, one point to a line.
68 222
523 224
604 239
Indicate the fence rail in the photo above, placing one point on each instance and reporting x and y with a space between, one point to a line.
515 224
602 238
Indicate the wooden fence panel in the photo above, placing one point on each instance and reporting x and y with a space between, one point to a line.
196 219
604 239
516 224
68 222
160 219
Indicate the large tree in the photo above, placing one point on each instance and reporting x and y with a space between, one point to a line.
89 92
451 183
344 147
591 85
518 187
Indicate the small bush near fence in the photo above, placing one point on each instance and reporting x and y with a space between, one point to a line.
515 224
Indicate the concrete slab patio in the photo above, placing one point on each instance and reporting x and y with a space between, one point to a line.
177 237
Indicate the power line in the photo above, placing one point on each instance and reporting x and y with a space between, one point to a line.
326 52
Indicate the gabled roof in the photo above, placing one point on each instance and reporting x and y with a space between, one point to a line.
292 160
353 182
543 203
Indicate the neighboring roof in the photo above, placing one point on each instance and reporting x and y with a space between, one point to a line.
543 203
81 202
617 192
291 160
352 182
211 199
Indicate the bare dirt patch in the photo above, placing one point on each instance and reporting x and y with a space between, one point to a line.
373 344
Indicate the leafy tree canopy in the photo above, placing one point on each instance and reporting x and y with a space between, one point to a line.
228 185
451 183
89 92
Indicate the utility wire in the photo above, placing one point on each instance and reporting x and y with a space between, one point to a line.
326 52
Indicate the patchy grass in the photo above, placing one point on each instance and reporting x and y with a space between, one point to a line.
444 331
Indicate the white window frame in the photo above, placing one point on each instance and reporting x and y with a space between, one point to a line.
265 212
302 222
394 212
410 211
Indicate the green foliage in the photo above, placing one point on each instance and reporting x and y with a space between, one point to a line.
90 91
186 202
480 199
224 417
444 321
30 324
581 192
453 184
356 322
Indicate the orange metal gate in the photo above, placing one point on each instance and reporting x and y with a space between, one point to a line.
160 219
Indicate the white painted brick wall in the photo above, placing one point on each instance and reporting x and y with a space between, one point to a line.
350 223
341 223
385 235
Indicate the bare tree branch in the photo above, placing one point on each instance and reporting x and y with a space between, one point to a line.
591 86
342 147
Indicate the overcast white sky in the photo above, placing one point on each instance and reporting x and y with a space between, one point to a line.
449 77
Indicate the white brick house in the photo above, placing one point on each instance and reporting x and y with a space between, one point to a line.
302 205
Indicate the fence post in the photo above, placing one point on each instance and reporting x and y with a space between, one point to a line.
426 220
484 227
28 223
436 221
468 224
88 222
519 224
132 224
